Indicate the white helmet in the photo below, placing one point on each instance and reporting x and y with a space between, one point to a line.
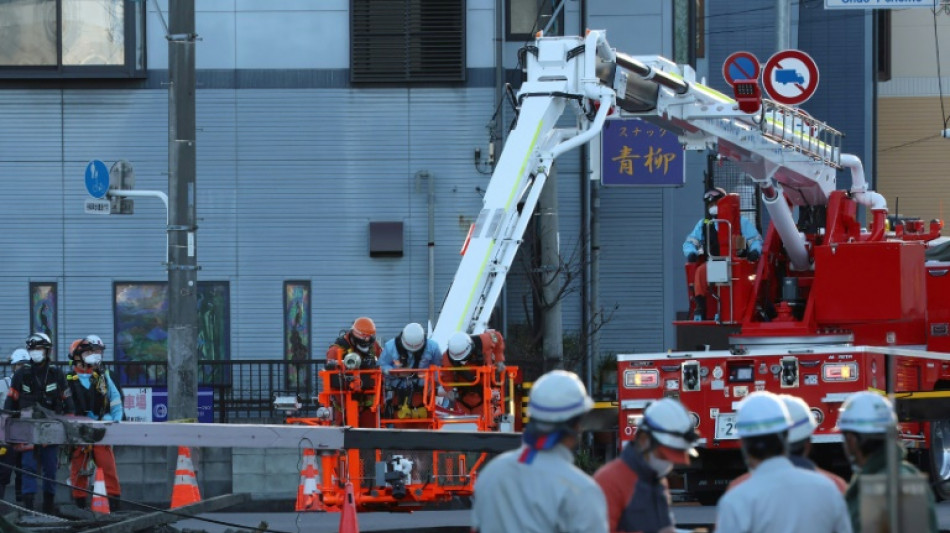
20 355
803 420
762 413
413 337
557 397
460 346
352 360
669 423
866 412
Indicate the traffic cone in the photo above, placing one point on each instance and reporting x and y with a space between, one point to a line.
348 520
185 491
308 494
100 500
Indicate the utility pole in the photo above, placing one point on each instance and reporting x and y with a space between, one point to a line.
552 345
783 24
182 256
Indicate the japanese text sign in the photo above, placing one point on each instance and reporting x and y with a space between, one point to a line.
637 153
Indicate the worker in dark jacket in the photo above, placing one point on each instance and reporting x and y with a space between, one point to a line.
95 396
638 497
39 385
484 349
864 422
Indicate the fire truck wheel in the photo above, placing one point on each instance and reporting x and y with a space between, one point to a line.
940 458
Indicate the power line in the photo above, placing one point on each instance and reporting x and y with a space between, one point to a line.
922 139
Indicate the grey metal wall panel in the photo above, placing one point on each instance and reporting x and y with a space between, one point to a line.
632 276
32 126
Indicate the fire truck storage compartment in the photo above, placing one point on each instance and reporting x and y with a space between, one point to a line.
938 310
869 281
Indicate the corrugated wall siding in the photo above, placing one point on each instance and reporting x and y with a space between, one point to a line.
912 175
288 181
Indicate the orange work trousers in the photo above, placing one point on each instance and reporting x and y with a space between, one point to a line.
102 457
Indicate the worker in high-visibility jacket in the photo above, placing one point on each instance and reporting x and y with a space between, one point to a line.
95 395
464 350
799 442
39 385
638 496
778 497
537 488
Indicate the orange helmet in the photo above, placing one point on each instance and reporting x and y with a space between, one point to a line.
363 333
74 348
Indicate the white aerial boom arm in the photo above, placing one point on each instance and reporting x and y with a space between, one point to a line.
791 155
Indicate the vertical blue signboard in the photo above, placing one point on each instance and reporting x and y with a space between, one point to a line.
637 153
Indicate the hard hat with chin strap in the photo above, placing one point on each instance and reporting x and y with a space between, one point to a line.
762 413
460 347
413 337
867 413
669 424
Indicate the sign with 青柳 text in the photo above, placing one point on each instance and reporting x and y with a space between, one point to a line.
637 153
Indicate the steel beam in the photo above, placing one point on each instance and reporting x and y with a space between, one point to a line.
57 430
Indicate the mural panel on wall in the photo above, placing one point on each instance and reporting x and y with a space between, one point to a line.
297 332
43 307
141 331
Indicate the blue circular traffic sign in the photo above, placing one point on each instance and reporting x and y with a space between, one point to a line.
740 66
97 178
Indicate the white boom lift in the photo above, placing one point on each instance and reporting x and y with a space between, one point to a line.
782 148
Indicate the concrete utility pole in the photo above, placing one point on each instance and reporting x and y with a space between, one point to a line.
182 256
552 345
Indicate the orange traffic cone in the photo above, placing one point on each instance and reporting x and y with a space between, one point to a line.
100 501
309 497
348 520
185 491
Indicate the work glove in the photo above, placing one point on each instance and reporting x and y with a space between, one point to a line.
500 367
452 394
753 256
692 257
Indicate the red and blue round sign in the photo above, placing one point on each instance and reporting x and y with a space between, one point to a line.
740 66
790 77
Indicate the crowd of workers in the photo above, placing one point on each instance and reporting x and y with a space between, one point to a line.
537 488
86 390
411 349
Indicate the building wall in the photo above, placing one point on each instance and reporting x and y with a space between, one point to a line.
293 163
912 155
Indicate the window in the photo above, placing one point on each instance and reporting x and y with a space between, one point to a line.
526 17
72 38
406 41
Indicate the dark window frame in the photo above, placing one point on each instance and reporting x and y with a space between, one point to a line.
135 66
539 25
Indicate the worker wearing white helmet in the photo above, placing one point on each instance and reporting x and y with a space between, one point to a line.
410 350
537 488
864 421
464 350
11 458
635 483
778 497
799 442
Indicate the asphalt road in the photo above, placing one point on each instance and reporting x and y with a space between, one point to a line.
419 522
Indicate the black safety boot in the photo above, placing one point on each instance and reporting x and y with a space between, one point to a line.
80 502
114 503
49 503
699 310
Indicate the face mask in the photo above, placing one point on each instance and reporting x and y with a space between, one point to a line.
662 467
37 356
714 210
92 359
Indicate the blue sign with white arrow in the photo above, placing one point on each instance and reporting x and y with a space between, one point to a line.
97 178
